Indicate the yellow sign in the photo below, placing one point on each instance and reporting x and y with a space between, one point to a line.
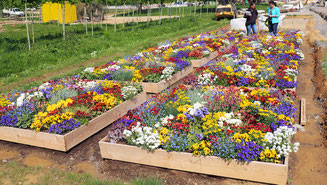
53 12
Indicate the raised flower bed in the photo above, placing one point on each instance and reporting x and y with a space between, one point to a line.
210 165
159 67
257 62
231 132
61 114
164 84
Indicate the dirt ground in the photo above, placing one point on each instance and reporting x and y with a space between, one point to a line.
307 166
111 20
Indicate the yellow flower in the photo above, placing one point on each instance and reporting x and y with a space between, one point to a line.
196 153
194 147
206 151
4 102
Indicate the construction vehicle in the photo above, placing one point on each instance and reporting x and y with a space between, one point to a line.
226 11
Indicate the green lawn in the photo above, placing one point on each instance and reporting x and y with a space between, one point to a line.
15 173
324 63
20 67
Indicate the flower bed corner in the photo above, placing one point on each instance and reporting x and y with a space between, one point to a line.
164 84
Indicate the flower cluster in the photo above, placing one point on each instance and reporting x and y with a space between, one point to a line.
258 61
161 62
62 105
199 120
143 136
212 116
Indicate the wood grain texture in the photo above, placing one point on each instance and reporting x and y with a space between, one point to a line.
163 84
303 118
203 61
210 165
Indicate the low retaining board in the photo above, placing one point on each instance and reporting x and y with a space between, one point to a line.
210 165
73 138
163 84
203 61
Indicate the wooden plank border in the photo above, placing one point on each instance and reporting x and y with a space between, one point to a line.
210 165
163 84
303 118
73 138
203 61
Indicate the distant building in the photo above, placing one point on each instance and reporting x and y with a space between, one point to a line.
53 12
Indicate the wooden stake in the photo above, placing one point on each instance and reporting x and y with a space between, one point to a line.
303 118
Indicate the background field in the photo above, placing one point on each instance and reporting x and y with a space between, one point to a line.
51 57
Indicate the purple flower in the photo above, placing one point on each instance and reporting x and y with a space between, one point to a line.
198 113
65 126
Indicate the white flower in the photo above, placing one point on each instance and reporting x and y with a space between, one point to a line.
205 79
292 72
299 41
144 136
89 70
111 68
247 69
280 141
87 84
129 91
44 86
236 122
258 103
206 52
299 52
167 73
20 100
226 42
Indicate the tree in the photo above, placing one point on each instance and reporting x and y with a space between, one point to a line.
33 4
27 30
86 3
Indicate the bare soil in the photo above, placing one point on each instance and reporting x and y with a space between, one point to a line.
309 164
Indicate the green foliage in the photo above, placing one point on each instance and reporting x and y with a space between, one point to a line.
194 96
62 94
153 77
123 75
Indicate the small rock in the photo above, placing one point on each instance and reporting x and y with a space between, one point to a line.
5 161
72 158
318 122
316 117
91 158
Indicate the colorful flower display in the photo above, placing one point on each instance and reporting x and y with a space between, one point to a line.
161 62
216 114
62 105
258 61
221 121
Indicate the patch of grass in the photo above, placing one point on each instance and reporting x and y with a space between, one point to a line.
324 63
50 53
14 173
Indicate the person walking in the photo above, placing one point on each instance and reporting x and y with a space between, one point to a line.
251 16
273 15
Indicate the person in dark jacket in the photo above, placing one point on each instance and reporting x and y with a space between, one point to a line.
251 16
